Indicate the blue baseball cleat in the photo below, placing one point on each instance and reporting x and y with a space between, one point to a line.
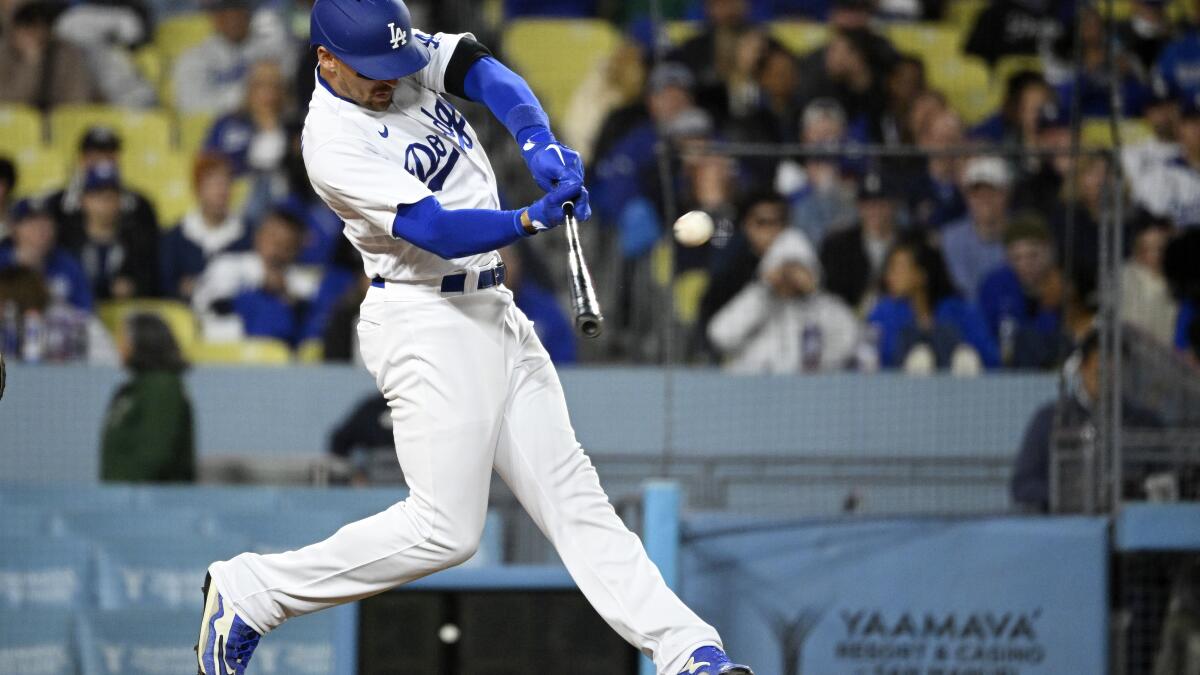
226 642
712 661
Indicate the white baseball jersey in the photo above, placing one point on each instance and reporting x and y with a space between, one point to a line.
364 163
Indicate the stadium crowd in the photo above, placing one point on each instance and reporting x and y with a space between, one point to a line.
827 259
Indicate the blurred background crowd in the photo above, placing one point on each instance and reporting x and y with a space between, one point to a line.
921 208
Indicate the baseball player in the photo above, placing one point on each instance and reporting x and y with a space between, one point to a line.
471 389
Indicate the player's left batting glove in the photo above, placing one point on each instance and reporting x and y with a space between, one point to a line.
547 212
551 163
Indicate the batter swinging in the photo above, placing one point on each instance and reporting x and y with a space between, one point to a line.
469 385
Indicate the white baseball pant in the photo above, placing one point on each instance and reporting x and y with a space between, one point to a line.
470 389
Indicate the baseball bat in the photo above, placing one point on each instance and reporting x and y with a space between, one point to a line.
588 319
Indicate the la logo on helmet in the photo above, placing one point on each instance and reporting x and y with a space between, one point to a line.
399 37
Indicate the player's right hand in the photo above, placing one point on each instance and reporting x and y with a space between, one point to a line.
547 212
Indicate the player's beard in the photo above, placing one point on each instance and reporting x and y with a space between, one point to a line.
379 99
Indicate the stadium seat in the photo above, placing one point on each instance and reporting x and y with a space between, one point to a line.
157 572
139 129
20 128
140 641
44 572
961 14
689 290
679 32
171 191
193 129
311 351
1098 132
555 55
40 169
967 85
247 352
38 641
179 33
176 315
929 41
149 63
1008 66
801 37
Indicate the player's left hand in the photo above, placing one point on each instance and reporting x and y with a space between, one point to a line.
551 162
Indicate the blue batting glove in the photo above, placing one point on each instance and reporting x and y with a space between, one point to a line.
547 212
551 162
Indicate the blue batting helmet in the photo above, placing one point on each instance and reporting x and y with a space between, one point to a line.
374 36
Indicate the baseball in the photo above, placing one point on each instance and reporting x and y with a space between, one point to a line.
693 228
449 633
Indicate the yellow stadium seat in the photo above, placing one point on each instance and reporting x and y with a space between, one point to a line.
193 130
679 32
966 83
169 186
311 351
961 14
180 33
928 41
176 315
555 55
137 128
149 62
1008 66
39 169
20 128
249 352
689 291
1098 132
801 37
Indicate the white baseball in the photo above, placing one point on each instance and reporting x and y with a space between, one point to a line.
449 633
694 228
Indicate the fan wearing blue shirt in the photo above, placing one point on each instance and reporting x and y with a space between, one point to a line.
32 245
1021 299
920 308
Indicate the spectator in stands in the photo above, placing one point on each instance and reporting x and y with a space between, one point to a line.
1022 300
367 429
1183 275
8 183
1142 161
1016 123
210 229
854 259
1092 73
109 31
32 245
972 244
1146 32
712 56
846 71
119 253
1146 300
904 84
1173 190
934 198
148 432
783 322
859 15
774 117
39 69
922 323
615 84
760 216
262 292
1076 224
100 145
1030 487
820 197
1179 63
1013 27
1043 177
36 328
211 77
527 278
253 138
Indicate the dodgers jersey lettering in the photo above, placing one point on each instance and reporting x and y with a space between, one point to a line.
364 163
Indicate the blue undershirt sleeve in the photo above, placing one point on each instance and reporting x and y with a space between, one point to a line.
508 97
456 233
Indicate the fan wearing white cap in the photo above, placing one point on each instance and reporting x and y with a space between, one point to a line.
974 244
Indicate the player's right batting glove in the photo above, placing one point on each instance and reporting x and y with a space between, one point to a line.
547 212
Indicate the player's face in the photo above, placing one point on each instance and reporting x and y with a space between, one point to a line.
371 94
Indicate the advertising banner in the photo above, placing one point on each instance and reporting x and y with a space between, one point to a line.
1000 596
